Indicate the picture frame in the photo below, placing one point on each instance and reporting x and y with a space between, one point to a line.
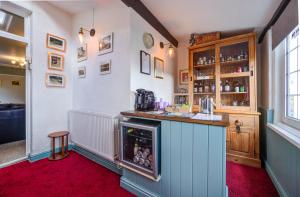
105 67
55 61
15 83
145 63
82 53
158 68
82 72
105 43
184 77
55 80
56 43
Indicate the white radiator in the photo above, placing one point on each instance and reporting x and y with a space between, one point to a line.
94 132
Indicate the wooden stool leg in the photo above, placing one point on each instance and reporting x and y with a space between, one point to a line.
62 146
67 143
53 148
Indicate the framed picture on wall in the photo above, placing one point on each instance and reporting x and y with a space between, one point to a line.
55 61
82 53
56 43
105 67
106 44
184 77
55 80
145 63
81 72
158 68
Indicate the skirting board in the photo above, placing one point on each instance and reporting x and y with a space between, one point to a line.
43 155
98 159
274 179
135 189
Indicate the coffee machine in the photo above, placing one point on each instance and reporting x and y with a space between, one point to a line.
206 105
144 100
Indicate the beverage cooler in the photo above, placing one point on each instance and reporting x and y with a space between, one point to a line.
140 147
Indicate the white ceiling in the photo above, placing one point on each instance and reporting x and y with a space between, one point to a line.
183 17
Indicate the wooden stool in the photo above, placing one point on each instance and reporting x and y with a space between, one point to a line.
62 154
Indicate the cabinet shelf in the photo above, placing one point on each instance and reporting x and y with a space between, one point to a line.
234 62
204 93
228 93
205 78
181 94
204 66
234 75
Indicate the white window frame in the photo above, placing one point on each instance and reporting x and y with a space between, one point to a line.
285 118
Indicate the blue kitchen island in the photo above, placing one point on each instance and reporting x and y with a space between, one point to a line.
193 158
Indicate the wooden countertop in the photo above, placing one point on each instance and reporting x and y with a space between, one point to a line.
136 114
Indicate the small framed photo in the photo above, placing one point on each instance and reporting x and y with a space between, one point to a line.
81 72
55 61
82 53
184 77
158 68
145 63
106 44
15 83
55 80
105 67
56 43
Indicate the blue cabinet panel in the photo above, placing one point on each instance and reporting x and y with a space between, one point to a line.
166 158
200 156
215 161
186 171
175 158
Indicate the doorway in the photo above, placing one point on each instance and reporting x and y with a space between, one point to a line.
14 84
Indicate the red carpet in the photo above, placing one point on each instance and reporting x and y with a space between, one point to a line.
74 176
77 176
245 181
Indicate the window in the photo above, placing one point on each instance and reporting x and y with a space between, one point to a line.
292 98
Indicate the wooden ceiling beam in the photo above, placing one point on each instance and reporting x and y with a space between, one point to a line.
144 12
275 17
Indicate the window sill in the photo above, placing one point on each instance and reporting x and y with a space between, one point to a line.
290 134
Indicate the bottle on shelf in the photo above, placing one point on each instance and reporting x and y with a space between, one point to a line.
200 89
206 87
237 87
227 86
213 87
221 86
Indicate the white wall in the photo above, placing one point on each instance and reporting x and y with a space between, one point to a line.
108 94
182 59
162 88
10 93
50 106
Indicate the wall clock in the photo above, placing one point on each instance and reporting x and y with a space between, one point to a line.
148 40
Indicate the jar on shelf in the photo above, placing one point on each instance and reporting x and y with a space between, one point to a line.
234 103
206 88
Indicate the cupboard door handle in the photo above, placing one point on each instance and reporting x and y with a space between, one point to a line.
238 125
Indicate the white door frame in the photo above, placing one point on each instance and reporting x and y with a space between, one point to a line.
23 12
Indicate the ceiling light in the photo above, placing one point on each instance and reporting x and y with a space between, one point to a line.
2 17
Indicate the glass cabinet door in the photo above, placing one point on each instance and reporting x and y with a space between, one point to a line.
235 73
203 71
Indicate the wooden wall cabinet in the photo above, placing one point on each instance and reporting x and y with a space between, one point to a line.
226 71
